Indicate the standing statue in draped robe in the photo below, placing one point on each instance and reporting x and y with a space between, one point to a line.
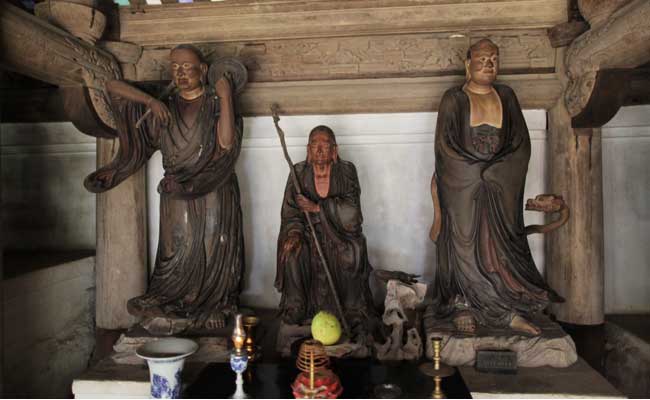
485 272
200 258
331 194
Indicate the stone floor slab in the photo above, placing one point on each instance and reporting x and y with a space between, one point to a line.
577 381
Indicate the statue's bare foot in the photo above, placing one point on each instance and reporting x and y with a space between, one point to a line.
215 321
521 324
144 307
465 323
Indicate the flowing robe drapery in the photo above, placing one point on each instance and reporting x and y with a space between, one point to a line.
484 264
200 258
301 278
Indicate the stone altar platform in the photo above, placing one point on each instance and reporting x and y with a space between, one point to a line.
124 375
574 382
553 348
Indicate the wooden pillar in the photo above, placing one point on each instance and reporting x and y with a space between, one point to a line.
121 265
2 278
574 253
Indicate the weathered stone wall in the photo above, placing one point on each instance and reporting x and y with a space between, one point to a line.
48 329
627 361
45 206
626 191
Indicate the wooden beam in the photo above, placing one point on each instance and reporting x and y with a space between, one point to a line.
383 95
622 41
409 55
294 19
35 48
328 97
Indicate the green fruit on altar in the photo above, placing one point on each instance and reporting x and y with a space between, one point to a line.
326 328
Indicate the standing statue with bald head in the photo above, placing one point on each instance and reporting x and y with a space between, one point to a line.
200 258
485 274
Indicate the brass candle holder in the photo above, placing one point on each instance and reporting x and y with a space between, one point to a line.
437 391
437 369
250 323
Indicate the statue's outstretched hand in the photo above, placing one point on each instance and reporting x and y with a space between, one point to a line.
160 111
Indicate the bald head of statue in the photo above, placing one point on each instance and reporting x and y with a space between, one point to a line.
482 64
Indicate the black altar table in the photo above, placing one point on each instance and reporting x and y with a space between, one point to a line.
358 378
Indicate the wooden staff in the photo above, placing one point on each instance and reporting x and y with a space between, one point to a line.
296 186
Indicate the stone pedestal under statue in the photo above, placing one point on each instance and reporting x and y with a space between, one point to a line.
168 326
122 374
579 381
553 347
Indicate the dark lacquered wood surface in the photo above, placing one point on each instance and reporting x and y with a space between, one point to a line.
358 378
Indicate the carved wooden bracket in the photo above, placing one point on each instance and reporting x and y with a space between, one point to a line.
623 41
34 47
563 34
78 106
613 88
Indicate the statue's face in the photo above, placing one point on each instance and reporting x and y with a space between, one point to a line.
484 64
321 150
187 70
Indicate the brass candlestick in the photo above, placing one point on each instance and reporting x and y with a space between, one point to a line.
437 391
437 369
250 323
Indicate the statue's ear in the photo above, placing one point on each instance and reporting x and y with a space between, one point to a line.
467 74
204 70
335 154
308 155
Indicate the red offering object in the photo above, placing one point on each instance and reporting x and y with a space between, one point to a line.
326 386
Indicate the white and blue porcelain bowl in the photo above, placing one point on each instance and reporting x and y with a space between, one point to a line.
166 358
